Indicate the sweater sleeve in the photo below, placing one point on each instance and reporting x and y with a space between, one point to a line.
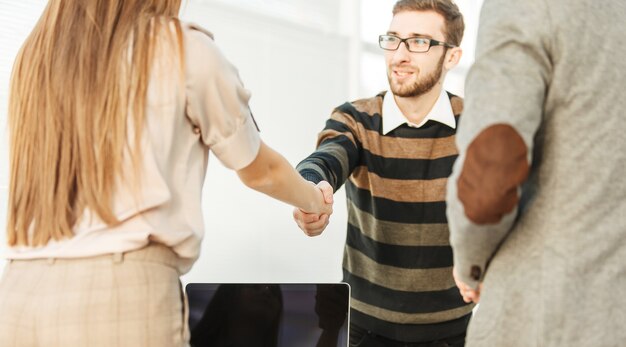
337 152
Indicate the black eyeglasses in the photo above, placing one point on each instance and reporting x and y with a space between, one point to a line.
413 44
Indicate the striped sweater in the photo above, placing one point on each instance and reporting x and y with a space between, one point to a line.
397 258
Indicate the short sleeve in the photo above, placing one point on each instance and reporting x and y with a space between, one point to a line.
217 102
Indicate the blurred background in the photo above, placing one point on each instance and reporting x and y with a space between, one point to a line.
300 59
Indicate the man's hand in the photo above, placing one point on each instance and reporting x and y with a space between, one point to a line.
468 293
314 224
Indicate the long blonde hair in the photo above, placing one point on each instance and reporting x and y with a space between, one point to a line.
78 79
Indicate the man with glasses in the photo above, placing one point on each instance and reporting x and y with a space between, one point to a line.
394 152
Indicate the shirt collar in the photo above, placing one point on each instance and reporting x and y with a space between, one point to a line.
393 117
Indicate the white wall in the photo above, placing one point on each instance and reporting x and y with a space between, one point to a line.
297 75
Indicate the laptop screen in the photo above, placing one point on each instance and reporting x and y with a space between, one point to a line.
268 315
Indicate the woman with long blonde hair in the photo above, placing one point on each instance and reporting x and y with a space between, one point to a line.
113 107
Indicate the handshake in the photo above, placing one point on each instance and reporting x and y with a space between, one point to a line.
314 223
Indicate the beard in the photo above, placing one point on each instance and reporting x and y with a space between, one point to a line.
421 86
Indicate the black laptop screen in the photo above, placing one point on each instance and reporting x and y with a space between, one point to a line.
268 315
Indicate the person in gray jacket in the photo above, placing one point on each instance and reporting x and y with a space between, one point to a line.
537 200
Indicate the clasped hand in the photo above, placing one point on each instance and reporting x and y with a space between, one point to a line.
313 224
468 293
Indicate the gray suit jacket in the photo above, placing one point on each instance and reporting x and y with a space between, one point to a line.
545 120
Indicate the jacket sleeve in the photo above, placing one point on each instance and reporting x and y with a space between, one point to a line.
505 92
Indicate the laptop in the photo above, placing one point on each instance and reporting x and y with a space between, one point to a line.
268 315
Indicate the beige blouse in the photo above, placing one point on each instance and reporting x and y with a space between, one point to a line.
186 117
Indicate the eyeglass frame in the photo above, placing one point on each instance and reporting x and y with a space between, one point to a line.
432 42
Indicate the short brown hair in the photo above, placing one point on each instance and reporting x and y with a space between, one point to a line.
454 27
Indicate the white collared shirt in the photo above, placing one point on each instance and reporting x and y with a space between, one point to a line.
393 117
